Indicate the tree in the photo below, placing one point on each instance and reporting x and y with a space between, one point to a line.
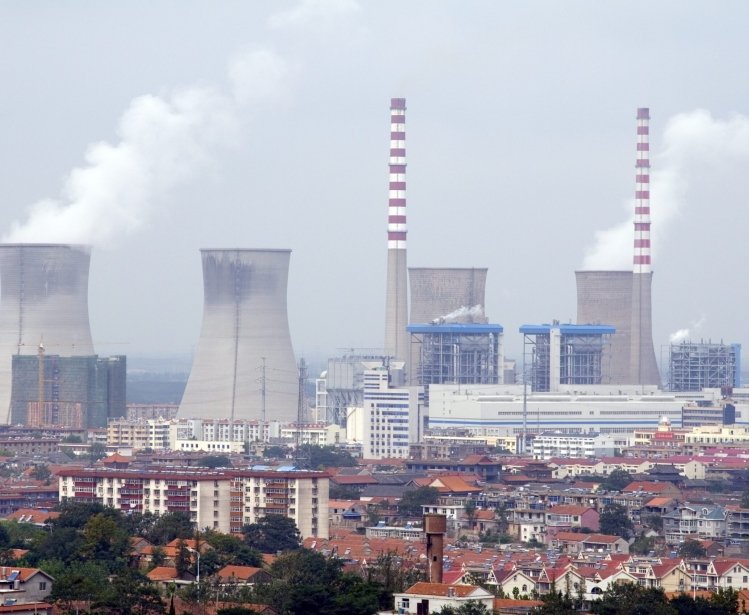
343 492
691 549
215 461
469 508
631 599
315 457
157 556
745 499
471 607
276 452
183 559
96 451
642 544
617 480
231 549
615 521
169 526
273 533
411 502
105 541
555 603
129 593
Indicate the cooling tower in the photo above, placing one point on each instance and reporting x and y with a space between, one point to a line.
244 365
43 299
437 293
396 291
605 298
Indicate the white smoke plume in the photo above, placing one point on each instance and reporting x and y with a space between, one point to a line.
685 334
692 144
472 313
161 141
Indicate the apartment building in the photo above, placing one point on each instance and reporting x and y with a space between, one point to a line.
224 500
139 435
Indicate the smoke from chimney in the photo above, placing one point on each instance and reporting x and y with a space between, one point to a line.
162 141
693 141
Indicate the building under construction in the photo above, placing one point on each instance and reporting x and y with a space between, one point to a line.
560 355
458 353
694 366
81 392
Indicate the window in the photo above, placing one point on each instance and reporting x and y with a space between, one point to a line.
42 585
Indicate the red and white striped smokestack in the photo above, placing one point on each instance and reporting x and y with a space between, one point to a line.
641 259
397 184
396 294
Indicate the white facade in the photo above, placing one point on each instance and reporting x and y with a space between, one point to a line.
498 410
392 417
549 445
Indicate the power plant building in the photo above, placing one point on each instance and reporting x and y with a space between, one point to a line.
622 299
75 392
447 294
244 366
43 300
561 355
457 353
694 366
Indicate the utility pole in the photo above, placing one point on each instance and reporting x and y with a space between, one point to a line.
300 411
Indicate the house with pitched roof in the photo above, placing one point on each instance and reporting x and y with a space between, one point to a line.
425 598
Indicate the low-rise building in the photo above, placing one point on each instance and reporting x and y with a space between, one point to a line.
425 598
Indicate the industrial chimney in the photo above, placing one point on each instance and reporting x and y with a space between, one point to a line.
622 299
643 366
44 300
396 293
244 365
435 528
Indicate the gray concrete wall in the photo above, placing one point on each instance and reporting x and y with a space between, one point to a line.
244 321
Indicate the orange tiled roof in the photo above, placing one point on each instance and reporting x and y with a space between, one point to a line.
441 589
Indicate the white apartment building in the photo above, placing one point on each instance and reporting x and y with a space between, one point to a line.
392 417
224 500
577 445
139 435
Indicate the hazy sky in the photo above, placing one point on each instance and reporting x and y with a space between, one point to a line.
154 129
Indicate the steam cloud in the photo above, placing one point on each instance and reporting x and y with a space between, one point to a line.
472 313
692 143
162 140
684 334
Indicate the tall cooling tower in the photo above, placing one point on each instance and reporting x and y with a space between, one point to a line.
605 298
436 293
244 365
396 291
43 299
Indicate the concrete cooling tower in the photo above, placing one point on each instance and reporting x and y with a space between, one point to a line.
447 292
244 366
43 299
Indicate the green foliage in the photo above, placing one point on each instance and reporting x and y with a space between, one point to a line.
654 522
97 451
615 521
642 544
412 501
745 499
631 599
183 559
129 593
162 529
232 550
72 439
617 480
691 549
276 452
104 540
215 461
555 603
315 457
273 533
471 607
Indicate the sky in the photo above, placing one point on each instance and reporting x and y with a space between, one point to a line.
153 129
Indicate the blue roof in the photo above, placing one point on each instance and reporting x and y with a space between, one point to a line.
568 329
456 327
